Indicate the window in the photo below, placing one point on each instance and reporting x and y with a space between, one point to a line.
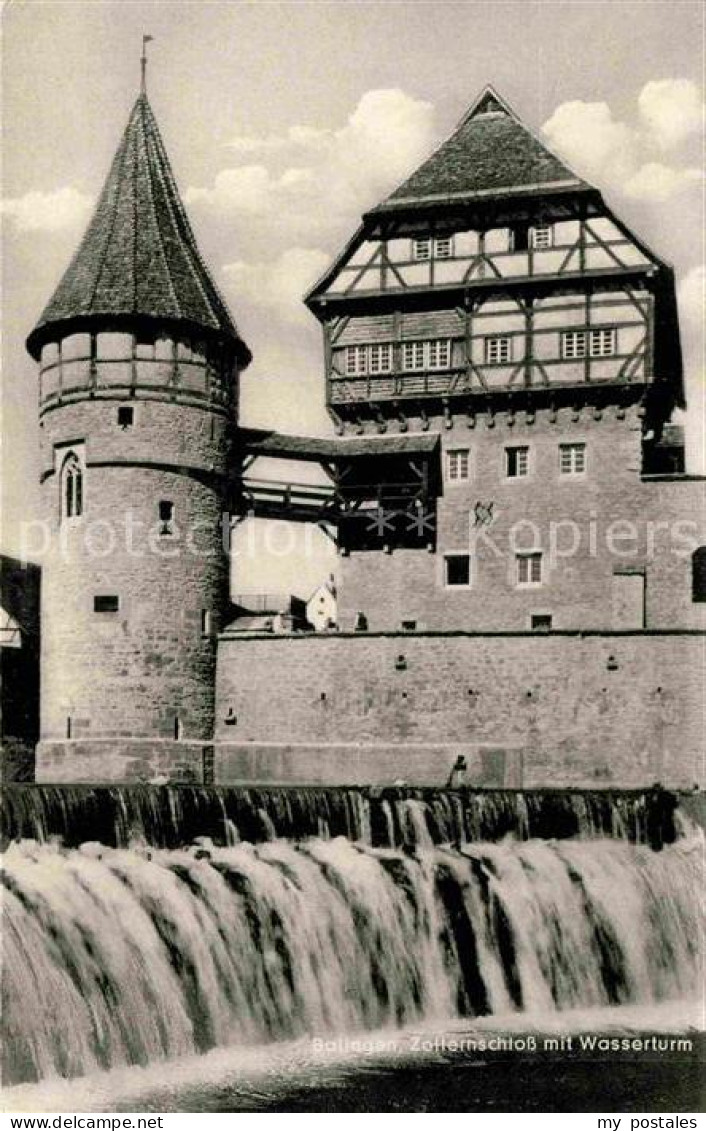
541 622
698 575
71 487
106 603
516 462
435 354
519 237
439 248
205 622
458 465
498 350
572 459
380 358
542 236
602 342
529 568
166 517
376 358
457 570
126 416
593 343
409 625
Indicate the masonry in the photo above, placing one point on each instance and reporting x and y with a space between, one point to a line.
617 709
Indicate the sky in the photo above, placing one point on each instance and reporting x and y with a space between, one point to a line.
284 121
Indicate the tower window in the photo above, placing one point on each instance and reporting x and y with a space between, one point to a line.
205 622
572 459
529 568
71 487
126 416
166 517
698 575
517 462
458 465
106 603
498 349
542 236
457 571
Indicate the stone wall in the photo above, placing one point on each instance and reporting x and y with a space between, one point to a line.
115 760
613 709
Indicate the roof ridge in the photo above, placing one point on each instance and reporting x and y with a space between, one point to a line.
158 229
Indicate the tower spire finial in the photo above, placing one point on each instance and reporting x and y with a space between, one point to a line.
143 63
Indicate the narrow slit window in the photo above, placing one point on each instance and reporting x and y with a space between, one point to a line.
72 487
205 622
166 517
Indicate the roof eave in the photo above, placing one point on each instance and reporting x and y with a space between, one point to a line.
54 329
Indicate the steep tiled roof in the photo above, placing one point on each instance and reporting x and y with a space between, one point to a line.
490 153
138 256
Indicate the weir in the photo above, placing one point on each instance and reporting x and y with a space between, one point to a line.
160 929
170 816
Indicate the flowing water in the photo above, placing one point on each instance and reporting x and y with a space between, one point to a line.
133 953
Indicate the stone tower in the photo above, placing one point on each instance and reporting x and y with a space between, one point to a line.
138 370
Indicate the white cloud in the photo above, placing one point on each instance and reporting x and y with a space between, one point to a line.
245 189
691 297
279 284
623 156
655 181
672 109
333 173
64 208
591 140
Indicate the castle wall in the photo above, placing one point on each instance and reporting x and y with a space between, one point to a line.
538 710
591 528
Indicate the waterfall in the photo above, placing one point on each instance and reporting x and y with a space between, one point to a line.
171 816
119 955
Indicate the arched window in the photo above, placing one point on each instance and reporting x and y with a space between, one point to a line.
71 487
698 574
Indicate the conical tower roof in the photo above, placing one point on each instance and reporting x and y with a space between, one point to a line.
138 261
490 153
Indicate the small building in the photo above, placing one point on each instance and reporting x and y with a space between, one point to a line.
267 612
321 608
